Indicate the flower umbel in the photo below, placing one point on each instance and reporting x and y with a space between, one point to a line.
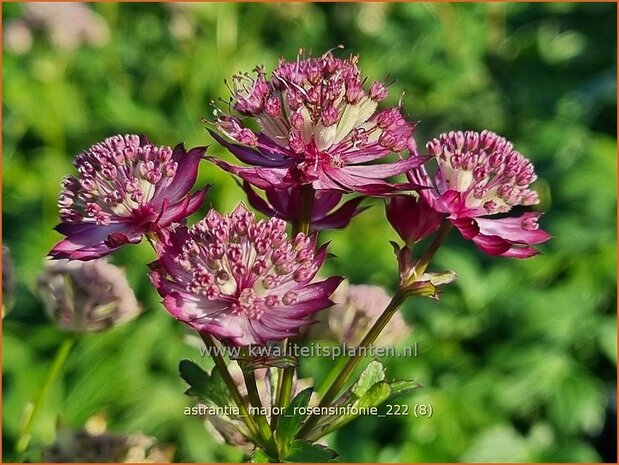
240 280
87 297
126 187
357 308
481 174
318 124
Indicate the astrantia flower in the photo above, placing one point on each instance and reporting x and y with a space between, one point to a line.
357 308
481 174
126 187
287 205
318 125
87 297
240 280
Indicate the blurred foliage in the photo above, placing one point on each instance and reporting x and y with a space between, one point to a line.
518 359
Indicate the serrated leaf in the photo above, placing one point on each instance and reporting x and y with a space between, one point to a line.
196 377
210 389
290 420
218 390
306 452
373 373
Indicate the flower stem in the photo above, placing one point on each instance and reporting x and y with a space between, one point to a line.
442 233
254 398
303 225
241 403
54 371
397 300
352 363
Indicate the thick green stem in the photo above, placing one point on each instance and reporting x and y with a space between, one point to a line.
54 371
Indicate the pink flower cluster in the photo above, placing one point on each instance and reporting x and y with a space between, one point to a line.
321 136
318 126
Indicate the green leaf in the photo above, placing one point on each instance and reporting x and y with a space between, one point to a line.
210 389
374 396
305 451
290 420
196 377
218 391
373 373
259 456
400 387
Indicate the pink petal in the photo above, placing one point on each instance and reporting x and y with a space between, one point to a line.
263 178
492 245
341 217
249 155
184 178
512 229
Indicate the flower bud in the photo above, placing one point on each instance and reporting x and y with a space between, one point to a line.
412 218
87 296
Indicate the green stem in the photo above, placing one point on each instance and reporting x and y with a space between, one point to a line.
331 376
222 368
442 233
263 424
352 362
54 371
304 226
379 325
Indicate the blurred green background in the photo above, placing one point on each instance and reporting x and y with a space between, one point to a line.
518 359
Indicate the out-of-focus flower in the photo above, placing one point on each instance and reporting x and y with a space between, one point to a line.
481 174
318 125
127 187
240 280
287 205
412 218
8 283
86 447
16 37
357 309
68 24
87 296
